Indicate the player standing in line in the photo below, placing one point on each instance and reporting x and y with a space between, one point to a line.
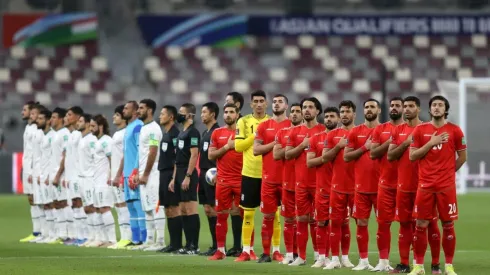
288 204
342 188
386 200
435 144
206 192
366 177
323 184
117 184
296 148
29 132
185 178
271 190
148 176
235 98
170 200
251 170
229 168
407 189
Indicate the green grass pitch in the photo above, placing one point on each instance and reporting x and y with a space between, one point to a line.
472 255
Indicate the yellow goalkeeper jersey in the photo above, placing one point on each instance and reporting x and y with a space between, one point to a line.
244 140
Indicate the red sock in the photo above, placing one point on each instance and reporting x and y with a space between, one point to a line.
302 238
405 241
267 229
345 238
221 228
327 241
383 239
362 241
313 234
289 237
449 242
295 240
321 237
434 241
420 244
252 240
335 236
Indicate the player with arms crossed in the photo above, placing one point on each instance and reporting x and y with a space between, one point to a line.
407 188
228 179
435 145
271 190
314 160
251 171
296 148
288 204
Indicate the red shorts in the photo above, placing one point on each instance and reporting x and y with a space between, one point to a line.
305 201
226 195
270 197
288 205
386 203
322 205
363 203
404 206
445 201
340 206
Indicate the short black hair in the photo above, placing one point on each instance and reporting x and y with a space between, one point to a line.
190 108
119 110
396 98
348 104
86 117
44 111
213 108
371 99
60 111
446 103
38 107
332 109
237 97
414 99
76 110
151 104
172 110
295 104
315 101
101 120
258 93
31 104
281 95
231 105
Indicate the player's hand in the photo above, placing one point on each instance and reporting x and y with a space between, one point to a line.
115 181
171 186
368 143
305 142
46 182
231 143
134 183
143 180
56 180
438 139
63 183
185 184
342 142
29 179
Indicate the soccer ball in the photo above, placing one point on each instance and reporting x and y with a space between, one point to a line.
211 176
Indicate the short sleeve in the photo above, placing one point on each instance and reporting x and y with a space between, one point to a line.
291 138
214 140
395 136
352 139
65 142
313 144
153 139
459 140
107 146
377 134
416 138
260 133
240 129
194 138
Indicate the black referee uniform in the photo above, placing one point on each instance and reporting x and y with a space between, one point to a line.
166 164
206 192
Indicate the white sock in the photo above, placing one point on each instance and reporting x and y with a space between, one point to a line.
70 225
109 226
150 227
335 258
77 223
160 220
222 249
345 257
61 221
276 248
50 221
42 221
91 220
84 224
123 219
246 248
35 219
289 255
99 224
321 257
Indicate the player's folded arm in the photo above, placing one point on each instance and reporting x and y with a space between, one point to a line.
350 154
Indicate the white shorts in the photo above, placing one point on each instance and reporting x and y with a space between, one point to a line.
26 186
75 191
87 189
62 193
37 193
118 194
103 196
149 192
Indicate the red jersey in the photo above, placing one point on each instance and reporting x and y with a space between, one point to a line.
305 178
266 132
437 169
324 171
388 174
366 169
408 171
229 165
343 172
288 177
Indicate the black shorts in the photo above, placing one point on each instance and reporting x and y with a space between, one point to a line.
206 192
191 193
166 197
250 192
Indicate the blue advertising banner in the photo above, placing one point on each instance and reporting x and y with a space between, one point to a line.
370 25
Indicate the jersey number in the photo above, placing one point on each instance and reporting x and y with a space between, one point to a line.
252 128
437 147
452 209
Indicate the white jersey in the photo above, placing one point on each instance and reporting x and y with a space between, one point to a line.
46 160
86 155
117 151
103 148
71 158
28 154
60 139
37 138
150 135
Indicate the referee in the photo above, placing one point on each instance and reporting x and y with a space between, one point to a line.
206 192
166 162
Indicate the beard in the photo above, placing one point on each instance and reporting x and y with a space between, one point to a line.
143 117
372 118
42 126
349 122
229 122
96 133
331 126
438 117
278 113
395 116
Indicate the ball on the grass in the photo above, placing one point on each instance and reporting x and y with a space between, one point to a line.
211 176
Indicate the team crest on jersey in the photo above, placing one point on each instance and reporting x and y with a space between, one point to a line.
463 141
65 137
104 144
152 136
92 144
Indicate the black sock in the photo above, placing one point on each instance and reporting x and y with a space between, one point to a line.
187 230
175 231
195 225
236 225
212 229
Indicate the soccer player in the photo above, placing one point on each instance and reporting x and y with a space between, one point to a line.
117 185
342 187
323 169
270 193
228 180
435 145
148 176
185 177
288 205
237 99
386 200
206 192
366 177
251 170
296 147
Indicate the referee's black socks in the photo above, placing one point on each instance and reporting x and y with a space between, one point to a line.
236 225
175 231
212 229
192 226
